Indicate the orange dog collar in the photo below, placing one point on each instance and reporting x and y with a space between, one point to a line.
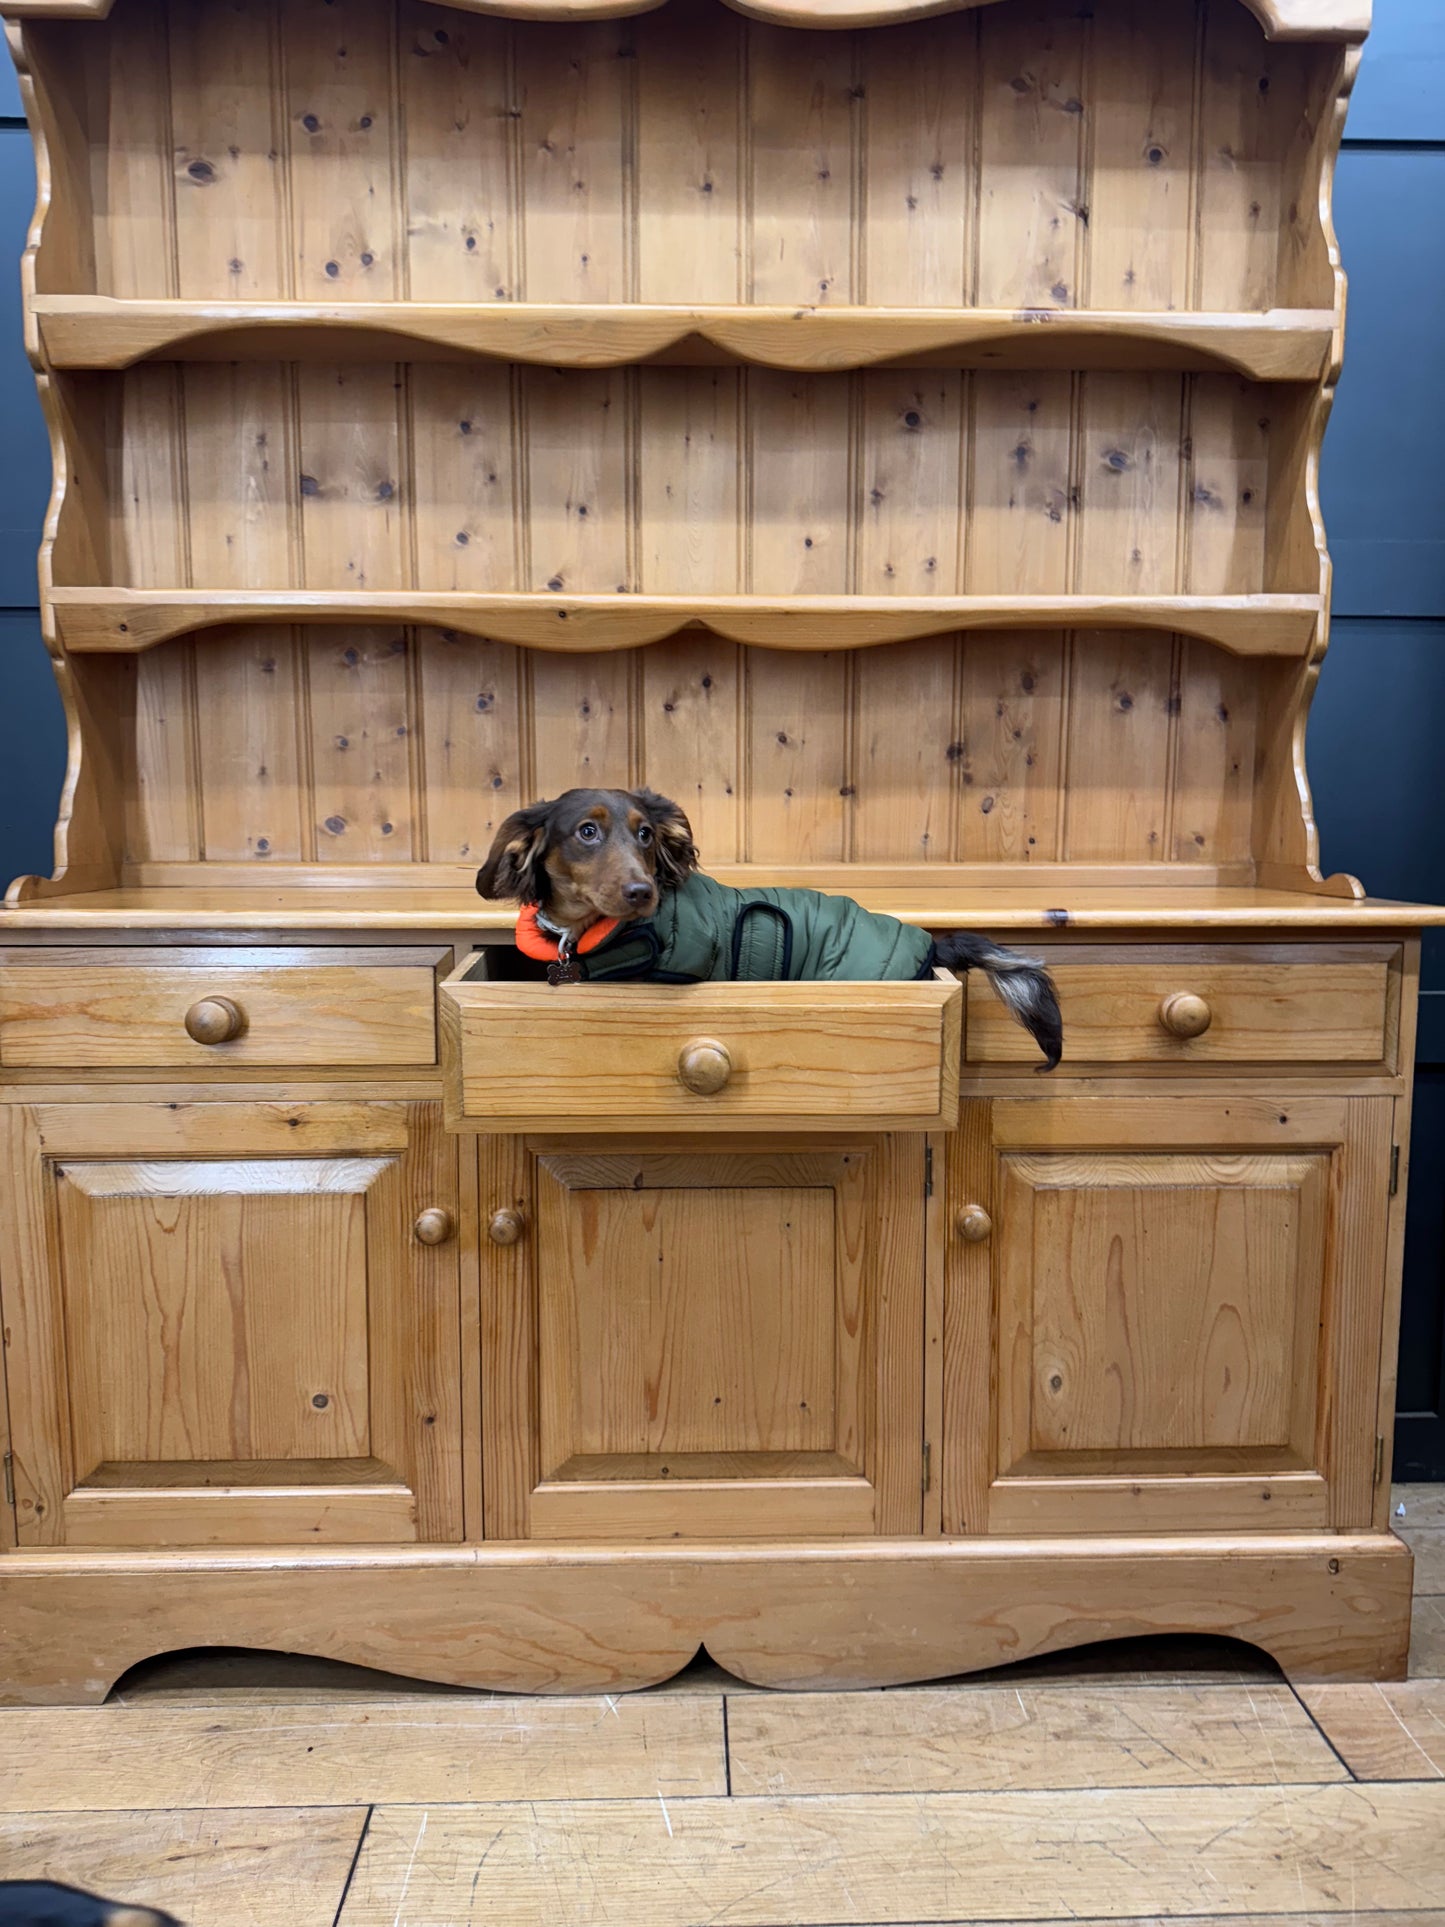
534 941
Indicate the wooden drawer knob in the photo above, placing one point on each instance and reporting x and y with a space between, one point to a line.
704 1066
506 1227
974 1224
434 1226
215 1020
1184 1015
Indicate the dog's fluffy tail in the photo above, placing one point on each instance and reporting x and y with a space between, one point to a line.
1023 984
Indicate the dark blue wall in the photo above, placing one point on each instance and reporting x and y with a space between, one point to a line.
1372 745
32 728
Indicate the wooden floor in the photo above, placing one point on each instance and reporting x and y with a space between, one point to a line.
1163 1779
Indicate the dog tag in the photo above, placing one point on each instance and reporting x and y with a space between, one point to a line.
564 973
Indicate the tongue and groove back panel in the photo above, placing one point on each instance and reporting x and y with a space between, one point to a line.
690 481
342 746
1042 159
1053 155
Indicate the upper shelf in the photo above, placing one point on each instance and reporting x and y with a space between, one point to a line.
125 621
1154 159
1281 19
100 332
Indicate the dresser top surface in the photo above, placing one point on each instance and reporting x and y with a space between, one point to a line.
1057 904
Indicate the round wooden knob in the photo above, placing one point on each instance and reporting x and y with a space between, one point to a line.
434 1226
215 1020
704 1066
974 1224
1184 1015
506 1227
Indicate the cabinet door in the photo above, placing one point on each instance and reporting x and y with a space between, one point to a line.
1164 1314
224 1325
695 1344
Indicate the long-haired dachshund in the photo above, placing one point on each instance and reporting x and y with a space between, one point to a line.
610 889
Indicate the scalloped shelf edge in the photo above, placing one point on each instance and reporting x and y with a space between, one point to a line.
105 621
102 332
1281 19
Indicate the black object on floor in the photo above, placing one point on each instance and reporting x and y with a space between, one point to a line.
45 1903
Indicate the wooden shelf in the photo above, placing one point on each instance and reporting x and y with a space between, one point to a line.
1343 20
1281 19
96 331
107 621
379 901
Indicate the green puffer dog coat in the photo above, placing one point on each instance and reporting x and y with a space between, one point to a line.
702 931
705 932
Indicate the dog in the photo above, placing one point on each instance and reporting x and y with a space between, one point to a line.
45 1903
611 892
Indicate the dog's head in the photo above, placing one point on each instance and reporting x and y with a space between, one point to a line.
591 854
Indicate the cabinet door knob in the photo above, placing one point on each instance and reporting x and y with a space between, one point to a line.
974 1225
704 1066
506 1227
433 1226
1184 1015
215 1020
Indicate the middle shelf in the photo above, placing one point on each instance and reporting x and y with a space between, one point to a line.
116 621
572 505
101 332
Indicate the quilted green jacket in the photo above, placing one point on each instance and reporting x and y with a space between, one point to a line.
705 932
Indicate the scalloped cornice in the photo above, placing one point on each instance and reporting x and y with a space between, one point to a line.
1281 19
56 9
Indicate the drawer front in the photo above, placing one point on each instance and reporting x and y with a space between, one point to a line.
1207 1004
165 1009
526 1057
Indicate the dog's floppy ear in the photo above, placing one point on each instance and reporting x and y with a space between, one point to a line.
676 851
514 871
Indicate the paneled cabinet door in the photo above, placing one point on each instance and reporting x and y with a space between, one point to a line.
231 1323
684 1343
1163 1314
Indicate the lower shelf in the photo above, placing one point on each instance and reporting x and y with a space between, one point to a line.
569 1619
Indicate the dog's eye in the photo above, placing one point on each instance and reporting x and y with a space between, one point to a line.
644 835
588 832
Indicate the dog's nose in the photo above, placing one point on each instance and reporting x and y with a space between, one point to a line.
634 895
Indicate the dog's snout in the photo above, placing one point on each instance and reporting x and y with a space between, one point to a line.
634 895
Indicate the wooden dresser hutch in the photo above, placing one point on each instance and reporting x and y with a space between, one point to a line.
891 427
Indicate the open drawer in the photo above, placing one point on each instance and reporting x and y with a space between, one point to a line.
699 1057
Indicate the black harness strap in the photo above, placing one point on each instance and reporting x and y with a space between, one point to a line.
782 969
631 952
